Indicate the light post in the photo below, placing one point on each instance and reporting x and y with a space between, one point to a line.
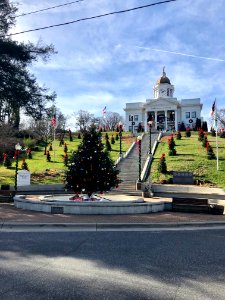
18 148
120 135
150 136
139 138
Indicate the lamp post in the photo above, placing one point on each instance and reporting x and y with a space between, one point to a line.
120 135
150 136
139 138
18 148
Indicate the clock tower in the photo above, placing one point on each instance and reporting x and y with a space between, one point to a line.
163 87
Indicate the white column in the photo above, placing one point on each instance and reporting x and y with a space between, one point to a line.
145 123
166 119
176 120
155 118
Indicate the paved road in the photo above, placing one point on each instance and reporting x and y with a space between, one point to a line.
113 265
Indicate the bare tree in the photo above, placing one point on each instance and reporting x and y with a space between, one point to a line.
221 117
84 119
111 120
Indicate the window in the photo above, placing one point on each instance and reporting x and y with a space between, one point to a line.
135 117
131 117
187 115
193 114
168 92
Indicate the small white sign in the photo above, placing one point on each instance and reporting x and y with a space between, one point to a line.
23 178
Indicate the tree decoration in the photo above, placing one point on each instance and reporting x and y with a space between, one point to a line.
91 168
205 141
178 135
200 135
188 132
108 145
210 153
171 145
112 140
162 167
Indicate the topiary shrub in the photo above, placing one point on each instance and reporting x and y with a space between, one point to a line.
178 135
205 141
162 167
200 135
210 153
188 132
222 134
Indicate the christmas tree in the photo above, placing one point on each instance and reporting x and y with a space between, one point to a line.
162 167
91 168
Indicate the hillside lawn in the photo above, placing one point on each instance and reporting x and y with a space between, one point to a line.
191 157
44 172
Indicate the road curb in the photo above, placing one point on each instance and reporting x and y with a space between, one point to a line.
107 226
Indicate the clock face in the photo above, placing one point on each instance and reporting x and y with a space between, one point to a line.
163 92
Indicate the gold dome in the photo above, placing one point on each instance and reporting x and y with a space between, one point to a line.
163 78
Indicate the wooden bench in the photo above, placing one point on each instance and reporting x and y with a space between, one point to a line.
196 205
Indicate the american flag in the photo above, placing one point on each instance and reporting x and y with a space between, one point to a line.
54 121
104 112
212 112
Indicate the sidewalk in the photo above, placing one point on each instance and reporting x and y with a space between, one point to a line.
9 214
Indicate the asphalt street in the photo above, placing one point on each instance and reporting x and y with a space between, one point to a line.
177 264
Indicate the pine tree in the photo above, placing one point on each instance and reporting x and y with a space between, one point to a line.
112 140
162 167
178 135
205 141
213 132
200 135
108 145
171 145
210 152
188 132
91 168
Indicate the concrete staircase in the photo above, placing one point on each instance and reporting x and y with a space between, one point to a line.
129 167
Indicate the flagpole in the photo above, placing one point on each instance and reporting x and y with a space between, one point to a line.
54 145
217 152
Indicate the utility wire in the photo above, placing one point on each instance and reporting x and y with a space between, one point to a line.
94 17
48 8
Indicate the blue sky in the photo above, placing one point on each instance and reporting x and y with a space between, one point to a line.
117 59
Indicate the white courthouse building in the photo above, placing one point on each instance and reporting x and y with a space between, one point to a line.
166 112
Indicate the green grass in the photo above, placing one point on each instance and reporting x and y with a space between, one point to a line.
191 157
54 171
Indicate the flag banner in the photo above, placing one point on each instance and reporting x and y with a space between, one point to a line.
212 112
104 111
54 121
